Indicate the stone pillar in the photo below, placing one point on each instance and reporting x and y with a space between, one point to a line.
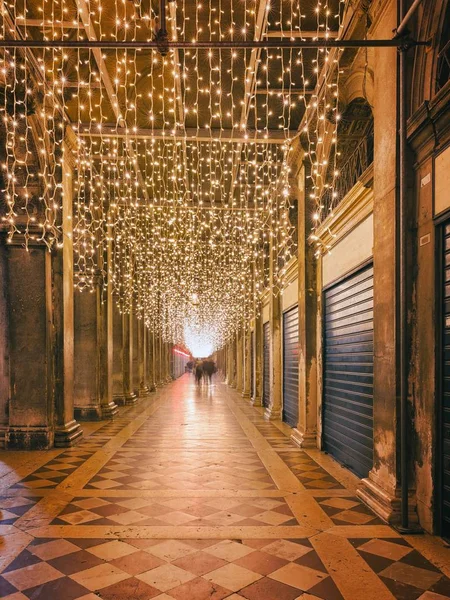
67 430
158 362
135 351
247 335
258 362
31 410
381 489
93 394
4 344
118 386
142 358
127 362
40 313
227 364
170 362
233 348
239 361
151 361
273 411
305 434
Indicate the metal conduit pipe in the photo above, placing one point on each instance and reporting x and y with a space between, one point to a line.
218 45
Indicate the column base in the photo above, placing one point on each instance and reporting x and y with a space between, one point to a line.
304 439
88 413
28 438
256 401
130 398
144 391
271 414
118 399
152 388
68 435
387 505
110 410
246 395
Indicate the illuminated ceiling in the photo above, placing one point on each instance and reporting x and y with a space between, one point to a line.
181 162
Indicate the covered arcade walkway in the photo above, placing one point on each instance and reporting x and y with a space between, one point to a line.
193 496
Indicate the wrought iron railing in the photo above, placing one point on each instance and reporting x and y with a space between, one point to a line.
349 173
443 66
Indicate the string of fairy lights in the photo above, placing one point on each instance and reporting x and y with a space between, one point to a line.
182 176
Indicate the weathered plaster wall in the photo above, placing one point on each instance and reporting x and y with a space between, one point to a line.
290 295
351 251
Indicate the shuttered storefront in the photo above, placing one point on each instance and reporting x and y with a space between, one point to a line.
445 396
266 365
290 367
348 371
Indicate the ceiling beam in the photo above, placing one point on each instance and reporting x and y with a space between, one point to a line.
250 79
188 135
305 35
84 12
181 116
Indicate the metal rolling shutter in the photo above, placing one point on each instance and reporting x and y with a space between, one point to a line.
445 402
348 372
290 367
266 366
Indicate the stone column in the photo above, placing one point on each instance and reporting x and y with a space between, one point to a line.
158 362
227 364
118 386
239 361
31 410
258 362
93 393
4 343
127 363
247 339
67 431
151 361
381 489
233 348
142 358
305 434
273 411
135 351
170 362
40 312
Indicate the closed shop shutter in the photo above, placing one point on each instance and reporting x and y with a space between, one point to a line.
445 402
348 372
266 366
290 367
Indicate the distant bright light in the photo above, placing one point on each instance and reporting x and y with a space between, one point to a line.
200 344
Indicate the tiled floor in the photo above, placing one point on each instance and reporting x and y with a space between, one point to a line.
191 495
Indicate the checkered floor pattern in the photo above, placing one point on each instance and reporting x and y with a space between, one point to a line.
89 569
192 512
135 469
190 470
405 572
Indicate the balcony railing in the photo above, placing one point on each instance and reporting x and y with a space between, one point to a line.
349 173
